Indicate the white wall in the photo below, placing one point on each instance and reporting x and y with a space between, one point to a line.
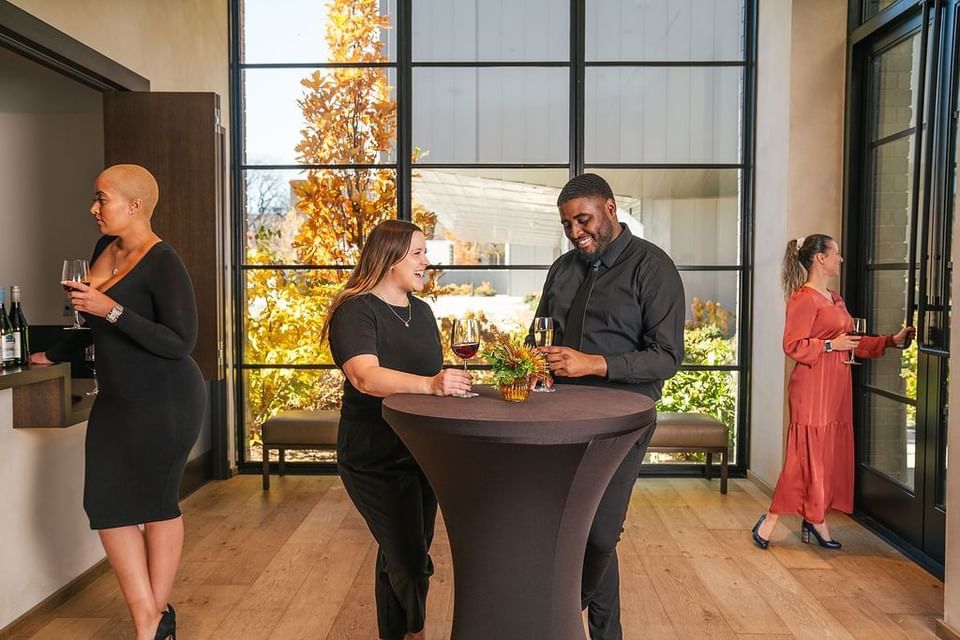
45 540
801 62
52 133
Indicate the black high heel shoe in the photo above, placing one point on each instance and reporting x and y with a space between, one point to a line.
760 542
167 629
806 529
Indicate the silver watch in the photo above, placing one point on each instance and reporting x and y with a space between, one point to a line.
114 314
828 345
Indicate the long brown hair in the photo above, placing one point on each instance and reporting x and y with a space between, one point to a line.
798 259
386 245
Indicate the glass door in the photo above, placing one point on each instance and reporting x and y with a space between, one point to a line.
898 236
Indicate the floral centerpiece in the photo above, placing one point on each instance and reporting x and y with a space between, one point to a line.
515 366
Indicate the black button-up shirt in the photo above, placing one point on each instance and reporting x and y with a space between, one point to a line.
634 317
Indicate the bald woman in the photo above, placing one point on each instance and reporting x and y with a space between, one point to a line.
141 308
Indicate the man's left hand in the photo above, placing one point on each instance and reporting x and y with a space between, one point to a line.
571 363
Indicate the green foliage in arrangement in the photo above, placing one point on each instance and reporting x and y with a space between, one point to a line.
512 361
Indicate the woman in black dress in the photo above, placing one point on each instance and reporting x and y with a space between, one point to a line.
141 308
386 341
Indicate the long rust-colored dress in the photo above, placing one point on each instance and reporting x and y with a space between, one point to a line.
818 467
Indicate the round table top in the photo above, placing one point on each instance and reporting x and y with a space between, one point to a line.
573 414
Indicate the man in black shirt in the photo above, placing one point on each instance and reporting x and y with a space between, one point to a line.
617 305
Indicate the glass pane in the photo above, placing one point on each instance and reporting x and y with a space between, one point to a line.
471 31
896 73
662 114
270 391
891 199
896 372
301 31
314 217
711 318
503 300
891 439
493 216
285 311
492 114
664 30
353 116
709 392
663 206
873 7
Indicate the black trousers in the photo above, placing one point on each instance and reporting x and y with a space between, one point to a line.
600 588
400 509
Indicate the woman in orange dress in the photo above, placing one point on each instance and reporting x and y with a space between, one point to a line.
817 472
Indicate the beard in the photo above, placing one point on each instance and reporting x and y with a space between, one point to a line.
601 240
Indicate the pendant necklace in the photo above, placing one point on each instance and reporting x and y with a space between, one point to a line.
406 322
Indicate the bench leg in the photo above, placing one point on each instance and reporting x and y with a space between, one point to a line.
707 468
723 472
266 469
280 452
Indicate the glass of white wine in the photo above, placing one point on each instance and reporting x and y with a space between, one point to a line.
543 335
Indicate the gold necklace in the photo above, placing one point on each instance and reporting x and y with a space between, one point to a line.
406 322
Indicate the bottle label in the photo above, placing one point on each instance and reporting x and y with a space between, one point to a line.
17 345
7 353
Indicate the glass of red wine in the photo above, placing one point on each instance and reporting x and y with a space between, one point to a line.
859 329
75 270
465 342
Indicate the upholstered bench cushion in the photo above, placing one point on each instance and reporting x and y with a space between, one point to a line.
688 430
301 427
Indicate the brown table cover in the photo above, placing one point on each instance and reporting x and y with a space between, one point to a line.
518 485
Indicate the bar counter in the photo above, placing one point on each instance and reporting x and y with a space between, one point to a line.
43 396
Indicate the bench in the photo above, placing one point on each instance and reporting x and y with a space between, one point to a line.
684 432
297 429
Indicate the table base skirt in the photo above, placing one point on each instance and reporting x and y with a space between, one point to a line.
517 550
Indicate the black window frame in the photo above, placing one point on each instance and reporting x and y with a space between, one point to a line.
577 65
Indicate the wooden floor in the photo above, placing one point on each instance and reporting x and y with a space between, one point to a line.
297 562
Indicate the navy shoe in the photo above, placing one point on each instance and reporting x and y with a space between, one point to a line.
806 529
760 542
167 628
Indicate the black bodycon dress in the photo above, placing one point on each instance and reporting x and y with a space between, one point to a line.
151 403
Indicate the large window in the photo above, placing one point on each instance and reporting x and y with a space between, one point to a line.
468 117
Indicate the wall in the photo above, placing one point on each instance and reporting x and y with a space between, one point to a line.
951 591
799 184
52 132
46 540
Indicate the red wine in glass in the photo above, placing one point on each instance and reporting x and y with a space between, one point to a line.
75 270
859 329
466 350
465 342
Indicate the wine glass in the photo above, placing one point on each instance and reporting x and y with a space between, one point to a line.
75 270
543 336
859 329
465 342
89 356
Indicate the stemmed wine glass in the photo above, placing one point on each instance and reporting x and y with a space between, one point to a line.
465 342
859 329
543 335
89 356
75 270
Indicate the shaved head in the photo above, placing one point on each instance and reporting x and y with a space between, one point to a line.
134 183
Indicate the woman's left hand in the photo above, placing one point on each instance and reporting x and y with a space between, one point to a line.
900 338
88 299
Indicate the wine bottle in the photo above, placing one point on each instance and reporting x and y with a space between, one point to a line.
21 331
7 355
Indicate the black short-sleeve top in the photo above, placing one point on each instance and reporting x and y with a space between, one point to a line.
368 325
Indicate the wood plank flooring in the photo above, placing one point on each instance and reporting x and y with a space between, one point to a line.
297 562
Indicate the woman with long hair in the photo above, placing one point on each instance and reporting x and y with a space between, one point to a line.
386 341
818 469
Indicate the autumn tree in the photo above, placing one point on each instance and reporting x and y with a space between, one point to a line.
350 119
